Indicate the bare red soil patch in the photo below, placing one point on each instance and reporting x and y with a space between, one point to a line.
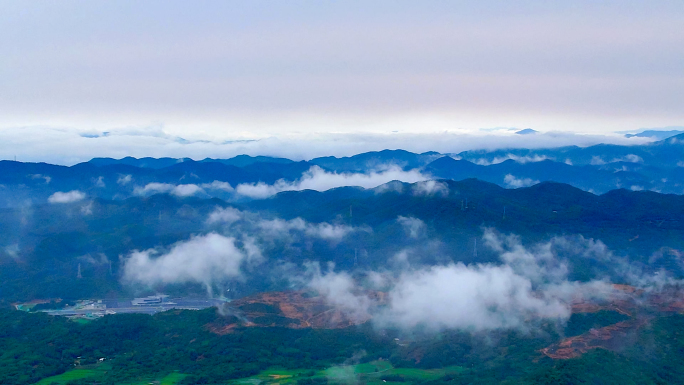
291 309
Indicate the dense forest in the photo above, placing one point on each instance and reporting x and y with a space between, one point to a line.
138 348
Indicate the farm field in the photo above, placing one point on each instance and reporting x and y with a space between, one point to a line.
371 373
95 370
69 376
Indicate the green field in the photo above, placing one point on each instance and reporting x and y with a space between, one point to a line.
71 375
371 373
96 370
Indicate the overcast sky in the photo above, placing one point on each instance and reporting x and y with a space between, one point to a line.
286 70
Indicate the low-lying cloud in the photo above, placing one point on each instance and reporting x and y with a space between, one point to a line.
327 231
414 227
528 285
205 259
251 223
340 290
124 179
320 180
66 197
517 158
237 241
431 188
182 190
513 182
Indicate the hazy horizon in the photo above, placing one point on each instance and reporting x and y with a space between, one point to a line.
352 72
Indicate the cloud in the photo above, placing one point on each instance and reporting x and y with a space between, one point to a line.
517 158
99 182
39 176
327 231
320 180
244 222
340 290
87 209
631 158
218 185
181 190
414 227
430 188
66 197
597 161
528 285
206 259
124 179
393 186
512 182
477 297
63 145
13 251
226 215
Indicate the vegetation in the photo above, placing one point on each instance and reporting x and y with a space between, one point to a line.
176 347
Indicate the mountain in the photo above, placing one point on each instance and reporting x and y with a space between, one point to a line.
376 161
657 134
665 153
44 244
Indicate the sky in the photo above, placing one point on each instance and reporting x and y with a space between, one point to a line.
311 78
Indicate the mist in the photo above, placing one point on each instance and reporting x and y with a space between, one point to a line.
320 180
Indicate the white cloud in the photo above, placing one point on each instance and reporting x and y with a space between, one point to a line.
320 180
636 188
340 290
185 190
226 215
181 190
631 158
430 188
38 176
327 231
597 161
99 182
393 186
529 284
259 190
206 259
517 158
66 197
87 209
68 146
218 185
414 227
468 297
13 250
512 182
124 179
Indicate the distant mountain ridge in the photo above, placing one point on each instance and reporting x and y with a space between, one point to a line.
658 166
